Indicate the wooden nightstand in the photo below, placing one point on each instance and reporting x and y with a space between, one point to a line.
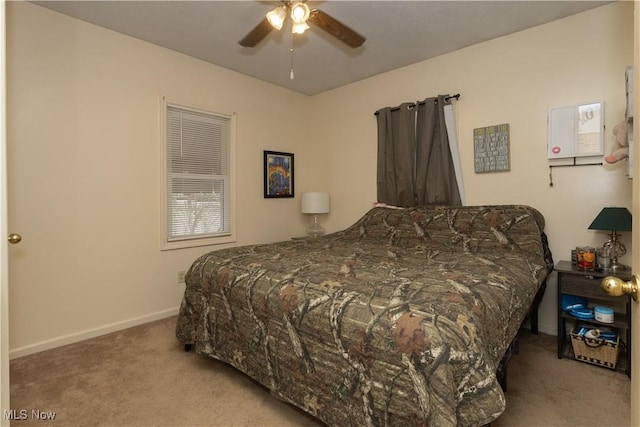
586 284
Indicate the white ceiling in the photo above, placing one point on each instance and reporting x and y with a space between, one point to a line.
398 33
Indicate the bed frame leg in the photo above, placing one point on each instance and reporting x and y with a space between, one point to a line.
534 322
188 347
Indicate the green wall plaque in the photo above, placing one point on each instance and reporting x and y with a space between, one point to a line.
491 148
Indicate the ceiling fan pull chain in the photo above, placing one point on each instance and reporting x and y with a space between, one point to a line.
291 50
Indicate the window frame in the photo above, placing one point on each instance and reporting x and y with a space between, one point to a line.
167 243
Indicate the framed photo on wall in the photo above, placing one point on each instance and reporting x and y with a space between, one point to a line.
278 174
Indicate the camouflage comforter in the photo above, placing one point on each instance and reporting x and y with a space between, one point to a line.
401 319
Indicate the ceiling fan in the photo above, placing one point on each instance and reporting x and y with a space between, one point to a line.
300 14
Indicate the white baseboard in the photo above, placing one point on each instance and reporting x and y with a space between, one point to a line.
90 333
548 328
543 327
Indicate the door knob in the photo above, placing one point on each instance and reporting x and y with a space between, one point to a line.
14 238
617 287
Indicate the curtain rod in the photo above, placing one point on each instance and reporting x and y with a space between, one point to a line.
446 98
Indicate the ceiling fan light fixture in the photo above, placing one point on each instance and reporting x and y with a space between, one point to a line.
277 16
299 28
299 13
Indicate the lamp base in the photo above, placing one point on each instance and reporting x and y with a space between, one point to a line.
618 267
609 253
315 230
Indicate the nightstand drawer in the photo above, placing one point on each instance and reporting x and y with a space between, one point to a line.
585 287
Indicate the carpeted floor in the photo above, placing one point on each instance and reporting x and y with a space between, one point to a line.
142 377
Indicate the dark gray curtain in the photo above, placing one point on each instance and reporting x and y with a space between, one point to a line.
435 175
396 155
415 166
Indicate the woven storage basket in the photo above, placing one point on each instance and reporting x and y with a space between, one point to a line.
595 350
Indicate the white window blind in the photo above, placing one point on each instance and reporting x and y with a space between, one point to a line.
198 173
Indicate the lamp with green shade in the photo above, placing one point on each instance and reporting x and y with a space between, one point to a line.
613 219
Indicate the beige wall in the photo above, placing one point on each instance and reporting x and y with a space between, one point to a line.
515 80
84 172
83 144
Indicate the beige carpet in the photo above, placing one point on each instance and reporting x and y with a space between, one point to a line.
142 377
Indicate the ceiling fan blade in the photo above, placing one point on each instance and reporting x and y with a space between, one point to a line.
257 34
336 28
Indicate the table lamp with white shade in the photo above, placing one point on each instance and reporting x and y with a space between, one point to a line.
314 203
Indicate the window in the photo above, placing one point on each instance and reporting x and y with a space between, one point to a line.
197 163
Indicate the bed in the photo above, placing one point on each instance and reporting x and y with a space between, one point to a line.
401 319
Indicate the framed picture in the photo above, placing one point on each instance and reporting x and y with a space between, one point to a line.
278 174
491 148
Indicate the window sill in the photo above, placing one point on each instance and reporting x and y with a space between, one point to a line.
192 243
